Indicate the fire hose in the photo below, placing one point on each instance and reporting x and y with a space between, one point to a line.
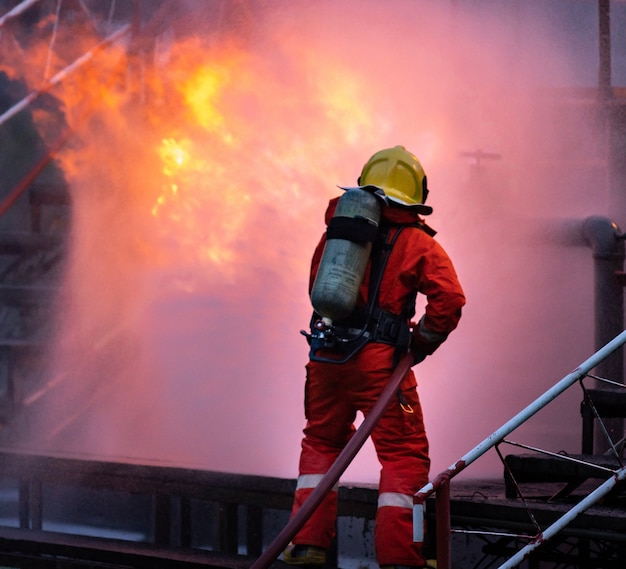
338 467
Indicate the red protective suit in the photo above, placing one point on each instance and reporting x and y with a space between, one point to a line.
335 392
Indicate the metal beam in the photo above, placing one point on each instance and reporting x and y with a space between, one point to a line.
16 11
565 520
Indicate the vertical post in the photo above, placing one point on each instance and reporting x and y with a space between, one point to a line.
36 504
442 512
604 237
185 521
8 399
24 503
604 35
162 519
228 528
254 532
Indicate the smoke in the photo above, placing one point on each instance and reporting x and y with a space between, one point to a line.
199 194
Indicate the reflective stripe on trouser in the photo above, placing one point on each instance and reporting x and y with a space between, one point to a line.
311 481
319 529
395 499
393 531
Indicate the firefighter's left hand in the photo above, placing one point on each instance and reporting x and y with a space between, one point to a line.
418 355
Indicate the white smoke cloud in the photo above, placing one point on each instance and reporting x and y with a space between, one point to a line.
205 363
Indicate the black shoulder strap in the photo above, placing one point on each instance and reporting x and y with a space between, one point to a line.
381 250
421 224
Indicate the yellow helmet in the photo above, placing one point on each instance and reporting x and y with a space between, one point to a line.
400 175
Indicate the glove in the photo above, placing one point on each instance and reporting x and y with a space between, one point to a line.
424 342
418 355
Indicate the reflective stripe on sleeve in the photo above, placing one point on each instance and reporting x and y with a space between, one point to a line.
395 499
311 481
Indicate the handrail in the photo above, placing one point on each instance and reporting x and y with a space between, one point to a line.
442 480
338 467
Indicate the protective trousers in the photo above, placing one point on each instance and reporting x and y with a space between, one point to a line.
333 395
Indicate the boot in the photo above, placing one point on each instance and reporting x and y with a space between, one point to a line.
304 555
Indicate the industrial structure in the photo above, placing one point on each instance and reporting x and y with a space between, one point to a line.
144 515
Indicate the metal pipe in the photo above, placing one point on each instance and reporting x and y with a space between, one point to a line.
16 11
338 467
604 36
566 519
607 243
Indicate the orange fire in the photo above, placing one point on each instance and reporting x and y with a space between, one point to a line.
200 153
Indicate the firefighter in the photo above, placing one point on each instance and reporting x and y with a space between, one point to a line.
405 260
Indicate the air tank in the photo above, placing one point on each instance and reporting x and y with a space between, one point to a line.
349 239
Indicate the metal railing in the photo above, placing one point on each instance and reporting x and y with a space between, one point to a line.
141 514
440 485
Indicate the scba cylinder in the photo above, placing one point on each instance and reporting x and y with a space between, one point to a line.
349 237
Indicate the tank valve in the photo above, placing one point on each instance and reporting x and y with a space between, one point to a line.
322 330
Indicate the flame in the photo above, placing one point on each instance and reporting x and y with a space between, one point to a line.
204 170
203 155
174 155
187 194
201 93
